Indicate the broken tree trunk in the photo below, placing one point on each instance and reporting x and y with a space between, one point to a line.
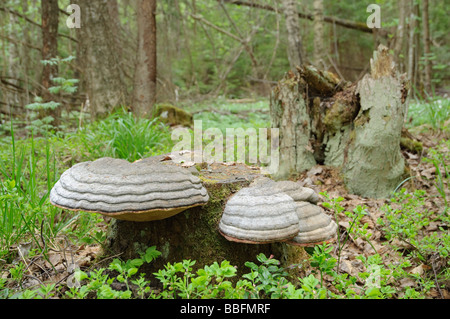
193 234
353 126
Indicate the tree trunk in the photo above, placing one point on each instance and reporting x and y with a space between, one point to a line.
426 46
412 44
144 95
103 76
355 127
319 40
49 16
400 35
193 234
293 29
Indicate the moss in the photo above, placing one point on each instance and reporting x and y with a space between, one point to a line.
411 145
165 249
362 119
173 115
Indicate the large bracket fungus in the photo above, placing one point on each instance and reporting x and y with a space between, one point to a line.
139 191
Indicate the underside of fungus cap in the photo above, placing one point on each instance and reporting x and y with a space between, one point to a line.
315 225
139 191
259 215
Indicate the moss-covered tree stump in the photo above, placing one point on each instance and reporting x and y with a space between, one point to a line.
172 115
193 234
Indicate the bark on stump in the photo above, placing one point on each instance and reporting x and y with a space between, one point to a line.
193 234
353 126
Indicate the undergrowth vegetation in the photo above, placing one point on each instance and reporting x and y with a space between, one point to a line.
31 228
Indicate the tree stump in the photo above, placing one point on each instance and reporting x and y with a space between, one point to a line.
353 126
193 234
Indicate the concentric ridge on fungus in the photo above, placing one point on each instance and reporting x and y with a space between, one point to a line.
259 215
315 225
139 191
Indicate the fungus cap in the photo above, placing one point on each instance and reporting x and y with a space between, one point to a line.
259 215
139 191
298 192
315 225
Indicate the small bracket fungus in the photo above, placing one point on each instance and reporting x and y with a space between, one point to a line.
139 191
298 192
259 215
315 225
262 213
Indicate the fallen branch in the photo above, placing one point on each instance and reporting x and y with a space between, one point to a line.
360 26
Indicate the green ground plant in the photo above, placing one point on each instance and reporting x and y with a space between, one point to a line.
434 111
122 135
439 158
407 224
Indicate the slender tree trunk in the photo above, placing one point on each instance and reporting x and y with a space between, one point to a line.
103 76
319 47
400 36
25 53
411 44
144 95
49 16
426 46
11 54
292 25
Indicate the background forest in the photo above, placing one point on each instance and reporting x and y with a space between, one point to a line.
71 94
205 49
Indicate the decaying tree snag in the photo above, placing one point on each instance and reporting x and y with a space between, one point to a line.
375 165
354 126
289 112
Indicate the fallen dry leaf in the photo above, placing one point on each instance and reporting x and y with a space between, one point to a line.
419 270
407 282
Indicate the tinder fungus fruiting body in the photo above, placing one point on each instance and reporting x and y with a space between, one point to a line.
138 191
258 215
315 225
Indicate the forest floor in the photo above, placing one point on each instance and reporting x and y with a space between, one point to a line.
63 255
326 179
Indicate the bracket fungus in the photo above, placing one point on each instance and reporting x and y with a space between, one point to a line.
315 225
262 213
139 191
258 215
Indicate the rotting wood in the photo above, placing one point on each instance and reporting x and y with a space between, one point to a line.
353 126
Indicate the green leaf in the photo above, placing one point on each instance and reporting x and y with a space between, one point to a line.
132 271
373 292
